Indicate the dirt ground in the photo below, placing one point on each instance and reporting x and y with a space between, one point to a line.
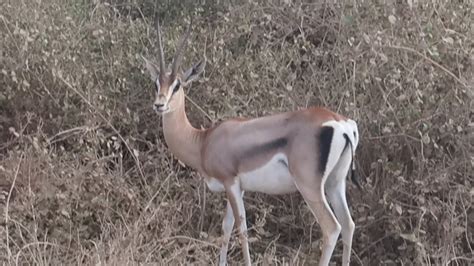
85 175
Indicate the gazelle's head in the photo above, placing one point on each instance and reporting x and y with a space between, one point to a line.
169 83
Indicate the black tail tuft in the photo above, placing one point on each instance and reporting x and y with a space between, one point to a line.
355 179
354 176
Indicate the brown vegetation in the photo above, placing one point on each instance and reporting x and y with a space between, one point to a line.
85 176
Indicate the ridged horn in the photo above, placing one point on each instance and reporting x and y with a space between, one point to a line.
160 46
179 52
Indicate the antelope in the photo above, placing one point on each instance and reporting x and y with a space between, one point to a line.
309 151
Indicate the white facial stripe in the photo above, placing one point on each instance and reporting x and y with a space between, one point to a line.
171 88
170 91
158 87
175 82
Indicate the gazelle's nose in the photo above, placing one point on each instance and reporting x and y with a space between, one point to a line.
159 105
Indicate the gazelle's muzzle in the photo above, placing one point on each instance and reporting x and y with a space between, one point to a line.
161 106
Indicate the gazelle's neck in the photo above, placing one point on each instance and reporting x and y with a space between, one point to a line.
184 141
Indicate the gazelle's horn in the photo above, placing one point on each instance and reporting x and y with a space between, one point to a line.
160 46
179 52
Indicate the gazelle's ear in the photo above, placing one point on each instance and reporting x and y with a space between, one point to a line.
152 69
193 73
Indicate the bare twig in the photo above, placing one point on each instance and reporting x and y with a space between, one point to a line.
7 206
190 239
70 131
200 109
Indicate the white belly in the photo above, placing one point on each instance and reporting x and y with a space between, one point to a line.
271 178
214 185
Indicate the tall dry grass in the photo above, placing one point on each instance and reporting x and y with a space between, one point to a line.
85 176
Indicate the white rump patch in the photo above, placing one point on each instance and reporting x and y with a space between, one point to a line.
271 178
338 143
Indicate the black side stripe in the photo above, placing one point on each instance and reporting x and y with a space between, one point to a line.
267 147
354 176
325 139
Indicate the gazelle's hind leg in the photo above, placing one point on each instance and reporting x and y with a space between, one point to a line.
311 168
336 193
312 191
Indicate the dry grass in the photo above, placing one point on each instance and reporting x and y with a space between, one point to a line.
85 176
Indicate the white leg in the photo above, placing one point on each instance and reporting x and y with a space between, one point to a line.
336 193
337 198
313 194
227 225
235 196
330 227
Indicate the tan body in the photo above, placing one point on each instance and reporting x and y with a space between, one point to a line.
236 147
309 151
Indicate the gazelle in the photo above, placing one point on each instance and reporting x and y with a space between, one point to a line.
310 151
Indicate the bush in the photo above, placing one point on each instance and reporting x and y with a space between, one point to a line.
85 175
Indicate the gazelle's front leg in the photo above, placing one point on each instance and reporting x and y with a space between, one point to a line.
235 197
227 225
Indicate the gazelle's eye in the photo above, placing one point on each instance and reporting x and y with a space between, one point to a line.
176 87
